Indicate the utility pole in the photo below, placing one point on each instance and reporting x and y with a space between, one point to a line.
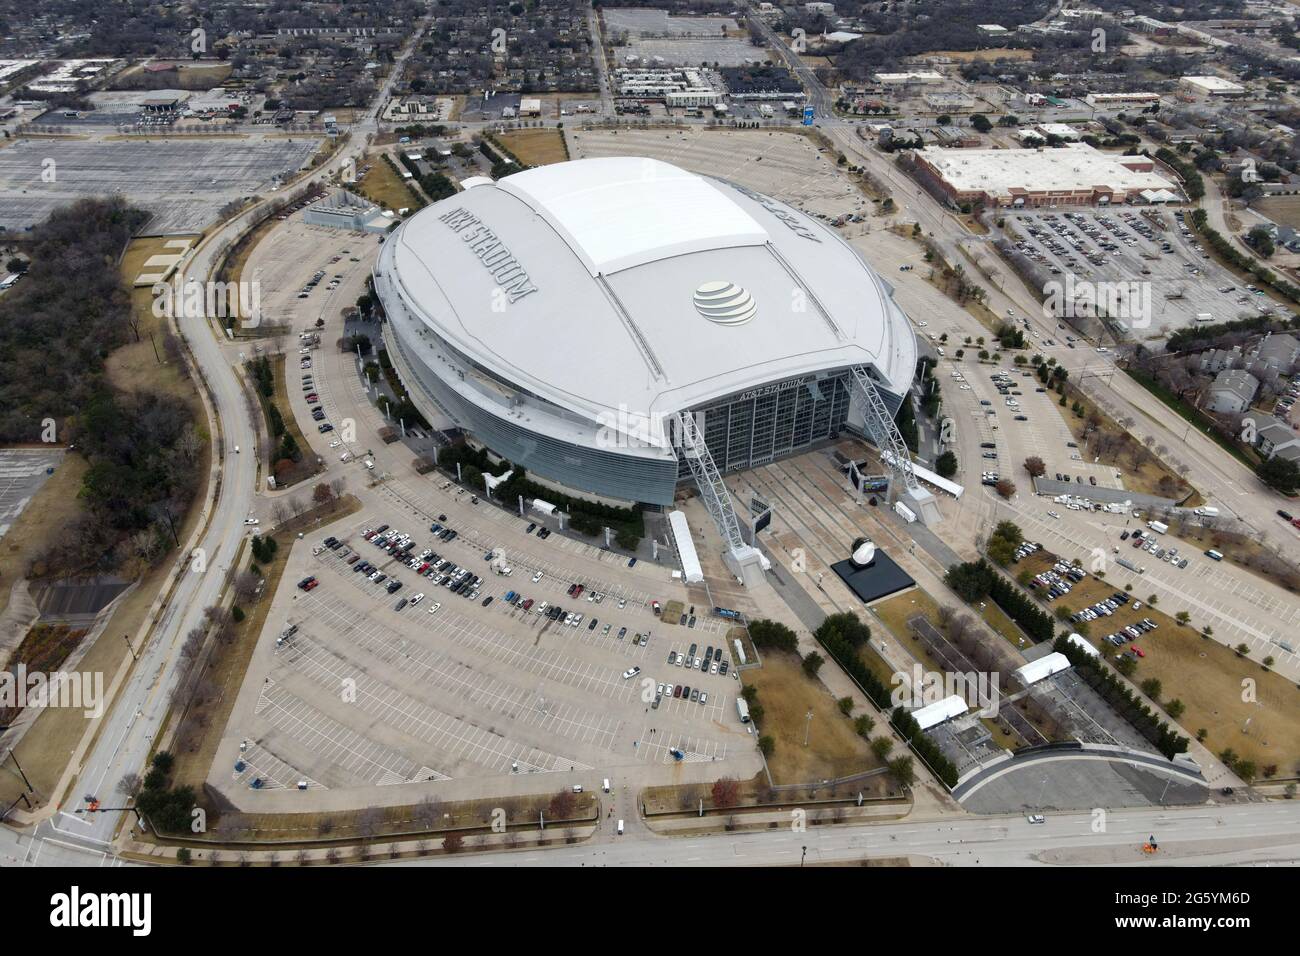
134 655
14 757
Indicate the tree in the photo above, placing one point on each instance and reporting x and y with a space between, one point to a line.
1280 474
1034 465
322 494
453 842
881 746
1000 550
766 744
772 634
1005 487
561 805
863 725
946 464
901 768
813 663
726 792
845 704
1010 531
1152 687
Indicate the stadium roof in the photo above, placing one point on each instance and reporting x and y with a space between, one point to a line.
616 214
628 287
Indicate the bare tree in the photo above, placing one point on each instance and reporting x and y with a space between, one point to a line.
428 812
129 785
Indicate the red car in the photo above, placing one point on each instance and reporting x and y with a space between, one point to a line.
1137 650
528 604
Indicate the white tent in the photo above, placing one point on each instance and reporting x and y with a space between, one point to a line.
1082 644
685 547
932 715
1035 671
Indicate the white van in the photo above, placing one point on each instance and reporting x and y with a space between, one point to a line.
577 788
605 785
620 827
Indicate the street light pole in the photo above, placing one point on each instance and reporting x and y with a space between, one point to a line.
14 757
807 726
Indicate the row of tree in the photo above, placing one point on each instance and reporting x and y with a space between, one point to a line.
976 580
843 635
1118 694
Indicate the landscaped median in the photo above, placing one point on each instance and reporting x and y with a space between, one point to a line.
728 805
289 456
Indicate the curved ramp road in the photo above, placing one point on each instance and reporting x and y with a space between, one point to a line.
127 734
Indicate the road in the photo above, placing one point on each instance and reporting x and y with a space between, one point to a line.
1238 835
126 735
1200 836
1221 478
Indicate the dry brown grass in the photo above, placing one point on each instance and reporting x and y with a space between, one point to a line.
384 186
1206 676
1000 53
787 694
1147 477
37 529
536 147
1281 209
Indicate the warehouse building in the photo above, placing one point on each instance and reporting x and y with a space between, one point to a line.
1074 175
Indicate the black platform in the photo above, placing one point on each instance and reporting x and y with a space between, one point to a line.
881 578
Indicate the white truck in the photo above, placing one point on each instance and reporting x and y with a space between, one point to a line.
1159 527
1207 511
742 709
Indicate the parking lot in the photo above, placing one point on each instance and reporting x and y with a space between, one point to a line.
188 181
1014 417
390 674
785 165
1177 279
22 472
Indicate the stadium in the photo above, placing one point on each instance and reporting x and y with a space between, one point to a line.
567 316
